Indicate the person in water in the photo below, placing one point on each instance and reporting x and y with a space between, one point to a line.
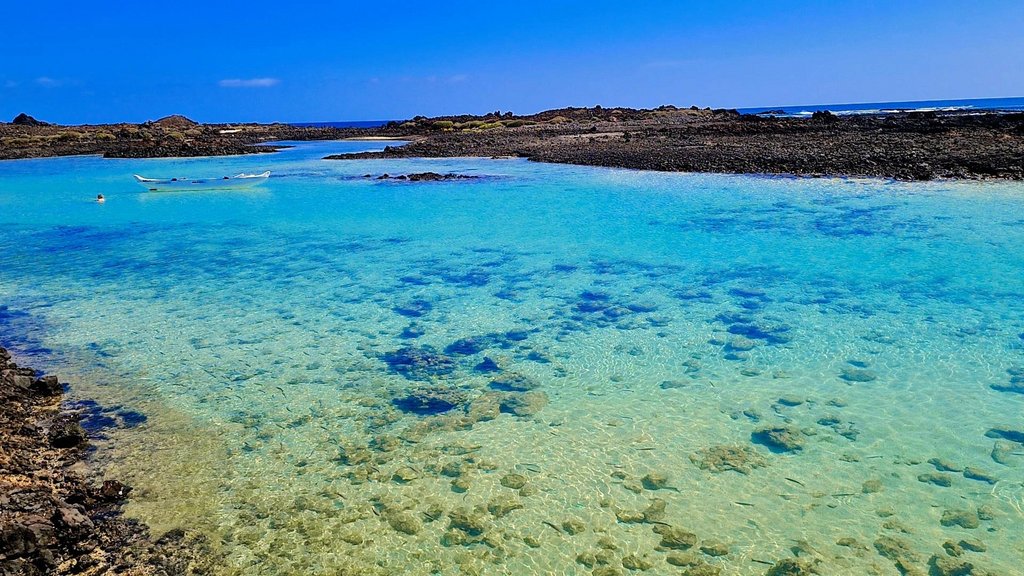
100 198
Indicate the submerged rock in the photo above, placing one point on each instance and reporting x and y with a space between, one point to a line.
979 475
420 363
500 506
1006 433
857 375
742 459
779 438
793 567
431 400
944 480
655 481
66 432
944 465
514 481
524 403
962 518
403 522
675 538
514 382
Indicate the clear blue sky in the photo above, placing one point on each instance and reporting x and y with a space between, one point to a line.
100 61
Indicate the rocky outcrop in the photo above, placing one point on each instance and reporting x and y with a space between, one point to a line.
904 146
54 519
26 120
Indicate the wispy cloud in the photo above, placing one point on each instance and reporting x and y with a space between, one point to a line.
48 82
10 84
248 82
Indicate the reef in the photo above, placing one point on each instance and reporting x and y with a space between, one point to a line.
742 459
58 517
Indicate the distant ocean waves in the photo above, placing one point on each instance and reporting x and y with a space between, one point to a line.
978 104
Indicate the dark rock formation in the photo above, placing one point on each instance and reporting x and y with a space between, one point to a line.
26 120
54 520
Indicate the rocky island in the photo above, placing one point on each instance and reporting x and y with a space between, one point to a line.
903 146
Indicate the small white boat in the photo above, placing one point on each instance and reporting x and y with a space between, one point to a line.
225 183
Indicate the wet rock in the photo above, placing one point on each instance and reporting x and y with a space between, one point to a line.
944 480
501 506
431 400
741 344
973 545
114 491
403 522
351 537
514 382
419 363
1006 433
404 475
675 538
683 559
962 518
853 543
857 375
47 386
484 407
655 511
655 481
636 562
979 475
414 308
793 567
714 549
472 522
986 512
779 438
871 486
460 485
702 569
742 459
950 566
514 481
524 404
952 548
66 432
487 365
900 553
467 346
1015 383
1003 451
573 526
944 465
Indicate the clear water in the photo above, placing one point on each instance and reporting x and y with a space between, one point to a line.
239 344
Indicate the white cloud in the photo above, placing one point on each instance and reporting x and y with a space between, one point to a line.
48 82
249 82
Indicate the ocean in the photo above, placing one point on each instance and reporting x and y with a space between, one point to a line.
547 369
964 105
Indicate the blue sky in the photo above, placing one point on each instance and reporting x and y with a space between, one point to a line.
89 62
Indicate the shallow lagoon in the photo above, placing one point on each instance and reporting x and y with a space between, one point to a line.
779 358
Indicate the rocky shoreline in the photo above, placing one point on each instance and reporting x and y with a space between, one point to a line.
57 516
904 146
173 136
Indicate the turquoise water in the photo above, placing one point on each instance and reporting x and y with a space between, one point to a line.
331 374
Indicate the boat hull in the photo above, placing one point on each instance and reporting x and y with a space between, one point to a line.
189 184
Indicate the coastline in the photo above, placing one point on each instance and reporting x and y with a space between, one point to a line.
59 516
908 146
